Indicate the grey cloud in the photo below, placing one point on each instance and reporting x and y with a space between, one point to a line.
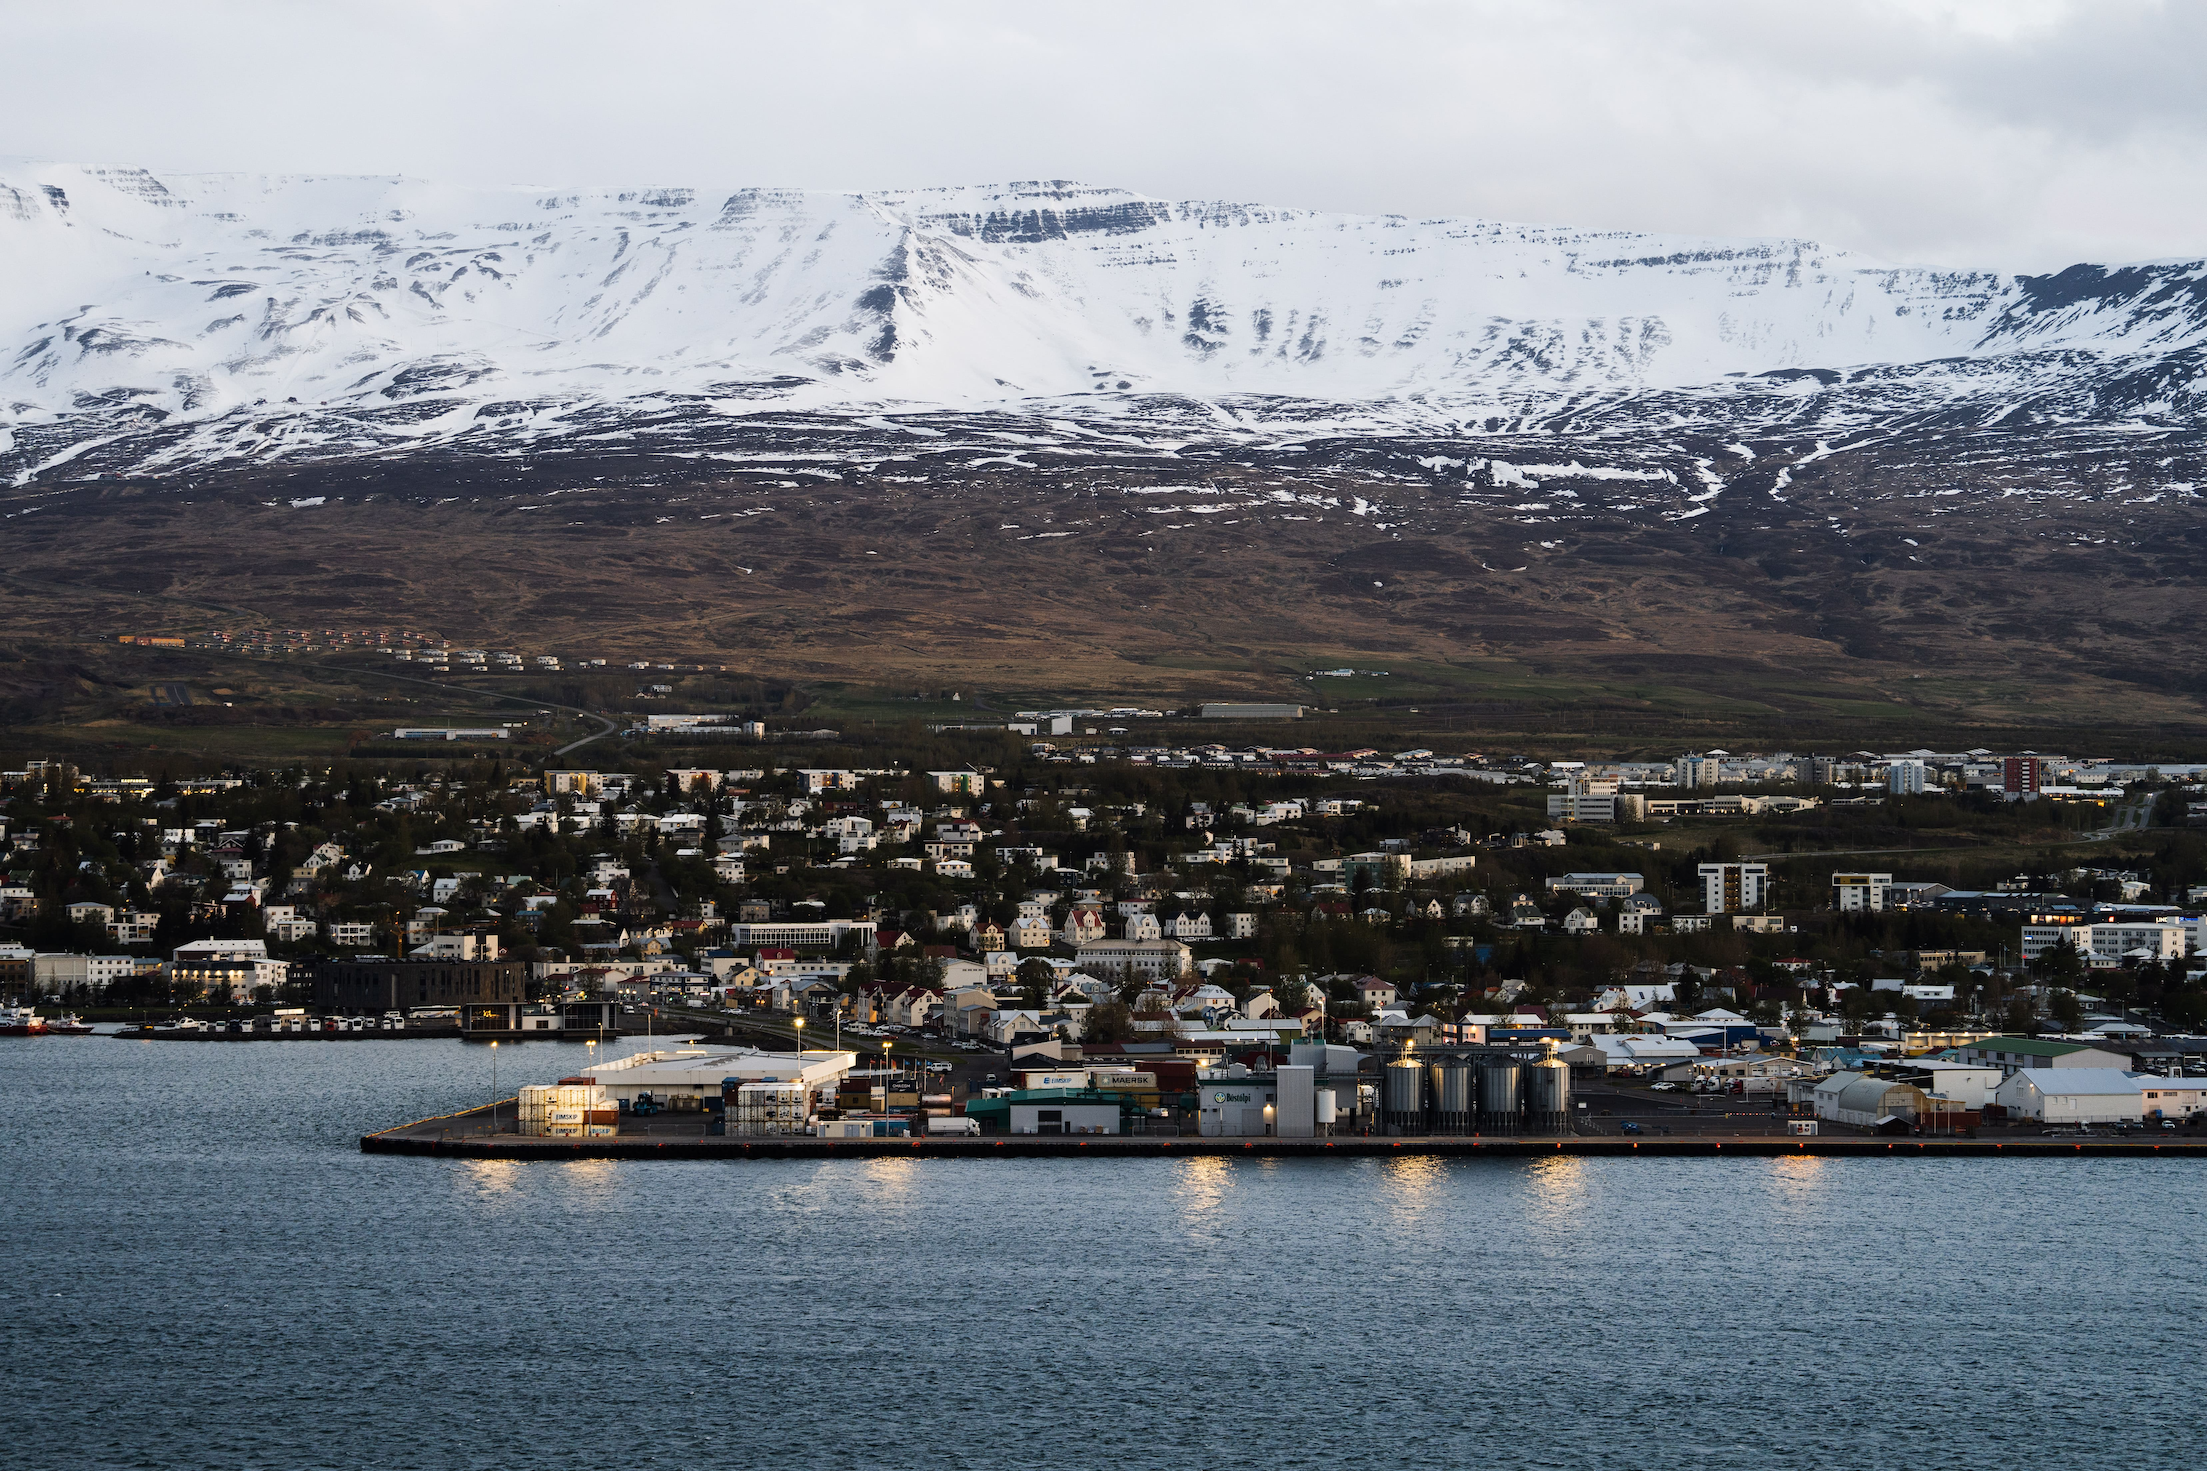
2001 133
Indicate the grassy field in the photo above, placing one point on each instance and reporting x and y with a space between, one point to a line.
97 702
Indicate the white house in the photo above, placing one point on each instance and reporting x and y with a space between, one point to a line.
1083 926
1631 997
912 1007
457 947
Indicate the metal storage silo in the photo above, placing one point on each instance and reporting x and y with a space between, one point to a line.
1500 1109
1455 1096
1405 1096
1548 1094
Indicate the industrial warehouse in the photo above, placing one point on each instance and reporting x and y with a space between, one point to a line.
700 1101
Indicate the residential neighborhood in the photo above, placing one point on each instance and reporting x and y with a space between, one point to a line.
1227 904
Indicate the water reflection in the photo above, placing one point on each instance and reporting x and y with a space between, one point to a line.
890 1182
1199 1189
490 1178
1411 1187
1557 1189
594 1180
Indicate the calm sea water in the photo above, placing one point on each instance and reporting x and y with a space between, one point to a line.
204 1271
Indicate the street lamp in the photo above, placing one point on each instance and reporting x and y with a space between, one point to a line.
800 1036
494 1086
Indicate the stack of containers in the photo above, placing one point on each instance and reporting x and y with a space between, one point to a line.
536 1101
567 1111
771 1108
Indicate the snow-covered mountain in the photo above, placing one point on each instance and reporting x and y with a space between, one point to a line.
159 324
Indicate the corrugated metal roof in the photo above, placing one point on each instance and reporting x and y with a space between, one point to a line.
2025 1046
2094 1081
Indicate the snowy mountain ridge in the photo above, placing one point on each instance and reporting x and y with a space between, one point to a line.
162 323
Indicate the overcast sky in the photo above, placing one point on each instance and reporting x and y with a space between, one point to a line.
2014 134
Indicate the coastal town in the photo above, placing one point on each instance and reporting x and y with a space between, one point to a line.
1104 927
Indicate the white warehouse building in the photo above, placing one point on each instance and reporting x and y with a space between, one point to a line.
2083 1095
698 1072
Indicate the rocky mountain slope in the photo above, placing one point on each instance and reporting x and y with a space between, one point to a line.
837 432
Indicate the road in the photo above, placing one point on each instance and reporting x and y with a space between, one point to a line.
436 684
586 740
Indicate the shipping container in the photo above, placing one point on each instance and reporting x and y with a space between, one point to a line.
771 1108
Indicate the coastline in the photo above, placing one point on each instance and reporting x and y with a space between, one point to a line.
455 1136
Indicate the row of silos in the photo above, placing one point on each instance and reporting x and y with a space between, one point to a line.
1474 1092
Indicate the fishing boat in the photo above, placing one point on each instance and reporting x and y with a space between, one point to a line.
21 1021
69 1025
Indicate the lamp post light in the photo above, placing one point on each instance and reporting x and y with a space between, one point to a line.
800 1024
494 1086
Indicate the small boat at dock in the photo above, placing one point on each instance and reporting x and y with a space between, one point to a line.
21 1021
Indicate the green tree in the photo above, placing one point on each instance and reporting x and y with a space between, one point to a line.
2068 1011
1035 978
1109 1020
